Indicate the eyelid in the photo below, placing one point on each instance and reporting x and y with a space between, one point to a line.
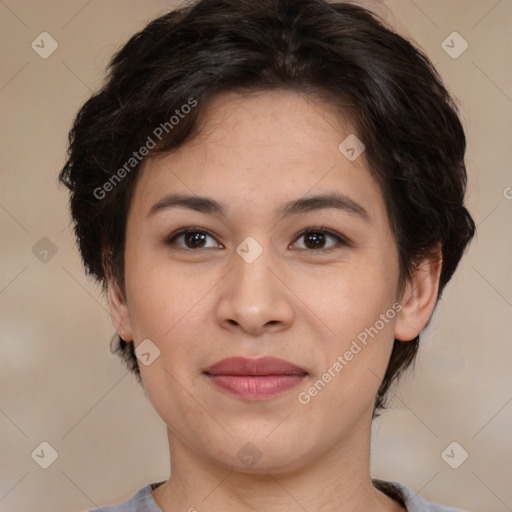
342 239
170 239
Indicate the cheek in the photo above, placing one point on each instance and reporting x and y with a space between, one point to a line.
354 364
159 297
349 297
357 307
169 308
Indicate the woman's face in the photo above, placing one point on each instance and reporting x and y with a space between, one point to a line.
250 283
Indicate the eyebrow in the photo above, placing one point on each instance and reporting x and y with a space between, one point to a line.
302 205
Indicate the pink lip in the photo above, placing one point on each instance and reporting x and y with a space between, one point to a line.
255 379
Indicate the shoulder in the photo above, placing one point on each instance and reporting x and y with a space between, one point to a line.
142 500
409 499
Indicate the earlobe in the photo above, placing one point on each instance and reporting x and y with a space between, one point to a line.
119 311
419 298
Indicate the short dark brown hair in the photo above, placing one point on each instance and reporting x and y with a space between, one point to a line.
335 51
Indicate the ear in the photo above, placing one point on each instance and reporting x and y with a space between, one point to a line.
119 311
419 297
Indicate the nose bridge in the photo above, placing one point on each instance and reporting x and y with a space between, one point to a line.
251 263
252 296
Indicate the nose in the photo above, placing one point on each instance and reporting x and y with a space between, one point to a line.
254 298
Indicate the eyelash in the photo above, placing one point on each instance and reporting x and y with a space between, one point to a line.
341 240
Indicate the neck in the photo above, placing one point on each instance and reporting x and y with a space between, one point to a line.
337 480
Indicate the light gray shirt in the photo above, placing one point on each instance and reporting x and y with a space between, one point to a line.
142 500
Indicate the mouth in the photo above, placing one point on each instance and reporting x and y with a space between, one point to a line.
255 379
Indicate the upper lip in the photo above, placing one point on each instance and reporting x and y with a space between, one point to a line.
260 366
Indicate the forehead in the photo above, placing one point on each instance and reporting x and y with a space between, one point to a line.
275 120
267 147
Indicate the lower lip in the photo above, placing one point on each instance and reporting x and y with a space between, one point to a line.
256 387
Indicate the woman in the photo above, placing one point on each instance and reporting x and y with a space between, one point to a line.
272 196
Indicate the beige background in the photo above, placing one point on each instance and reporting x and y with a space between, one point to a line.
60 384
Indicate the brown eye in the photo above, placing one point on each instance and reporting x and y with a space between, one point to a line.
316 239
193 238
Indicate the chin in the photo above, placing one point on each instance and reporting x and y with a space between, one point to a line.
263 455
